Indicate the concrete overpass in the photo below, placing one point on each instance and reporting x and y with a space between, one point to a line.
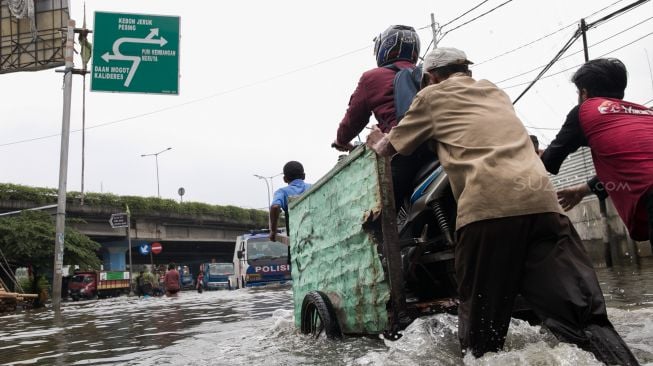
185 239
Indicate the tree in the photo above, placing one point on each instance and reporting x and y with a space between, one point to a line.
27 240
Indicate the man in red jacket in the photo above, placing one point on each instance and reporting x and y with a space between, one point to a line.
397 47
620 135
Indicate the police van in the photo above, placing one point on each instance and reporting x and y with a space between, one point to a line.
259 261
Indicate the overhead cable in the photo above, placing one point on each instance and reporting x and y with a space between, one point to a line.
577 52
542 37
546 68
578 65
475 18
575 36
229 91
449 22
463 14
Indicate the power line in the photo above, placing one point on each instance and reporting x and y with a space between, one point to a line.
524 45
449 22
577 52
456 18
542 37
463 14
577 34
564 49
578 65
474 19
229 91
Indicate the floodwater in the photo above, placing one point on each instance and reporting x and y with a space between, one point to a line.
255 327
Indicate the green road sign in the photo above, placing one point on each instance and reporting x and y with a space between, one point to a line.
135 53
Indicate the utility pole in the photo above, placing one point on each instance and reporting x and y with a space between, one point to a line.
86 56
434 29
129 249
60 226
63 168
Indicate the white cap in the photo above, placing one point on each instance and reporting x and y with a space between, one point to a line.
444 56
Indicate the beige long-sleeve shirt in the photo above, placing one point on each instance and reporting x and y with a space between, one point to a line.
482 145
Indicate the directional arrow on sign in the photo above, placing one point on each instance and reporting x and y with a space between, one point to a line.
119 220
136 60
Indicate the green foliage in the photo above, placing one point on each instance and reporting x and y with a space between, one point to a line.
146 206
148 277
28 239
26 284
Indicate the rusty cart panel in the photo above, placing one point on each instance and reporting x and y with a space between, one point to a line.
335 237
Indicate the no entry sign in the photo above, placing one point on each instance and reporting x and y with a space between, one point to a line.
157 248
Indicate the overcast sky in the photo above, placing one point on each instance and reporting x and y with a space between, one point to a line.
265 82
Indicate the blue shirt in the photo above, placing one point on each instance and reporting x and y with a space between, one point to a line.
294 188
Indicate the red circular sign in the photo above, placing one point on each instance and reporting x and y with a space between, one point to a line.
156 248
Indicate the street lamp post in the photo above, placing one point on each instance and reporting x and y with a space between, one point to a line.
268 185
156 158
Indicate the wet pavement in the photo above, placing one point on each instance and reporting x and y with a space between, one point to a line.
255 327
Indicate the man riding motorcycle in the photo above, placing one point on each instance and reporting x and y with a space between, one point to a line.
396 48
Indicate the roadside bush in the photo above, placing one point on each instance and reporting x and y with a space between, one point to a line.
137 205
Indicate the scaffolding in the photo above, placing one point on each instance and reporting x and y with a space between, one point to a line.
33 43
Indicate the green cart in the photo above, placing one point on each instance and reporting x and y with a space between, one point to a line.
353 273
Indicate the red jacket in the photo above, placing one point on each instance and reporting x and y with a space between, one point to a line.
620 135
172 280
374 94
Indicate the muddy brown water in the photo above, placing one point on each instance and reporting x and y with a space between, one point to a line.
255 327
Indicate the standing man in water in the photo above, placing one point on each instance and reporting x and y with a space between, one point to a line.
171 280
512 237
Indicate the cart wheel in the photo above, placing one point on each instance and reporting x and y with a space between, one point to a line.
318 316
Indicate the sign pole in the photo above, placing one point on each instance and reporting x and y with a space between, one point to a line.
63 170
129 249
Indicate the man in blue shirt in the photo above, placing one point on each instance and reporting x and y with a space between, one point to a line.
293 174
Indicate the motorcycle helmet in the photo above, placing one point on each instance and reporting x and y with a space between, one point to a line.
398 42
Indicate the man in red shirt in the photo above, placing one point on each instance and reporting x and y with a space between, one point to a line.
171 280
620 135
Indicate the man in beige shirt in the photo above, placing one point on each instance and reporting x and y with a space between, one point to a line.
512 237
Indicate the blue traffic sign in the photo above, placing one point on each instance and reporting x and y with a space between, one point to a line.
144 249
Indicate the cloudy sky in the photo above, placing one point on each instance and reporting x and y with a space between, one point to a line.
264 82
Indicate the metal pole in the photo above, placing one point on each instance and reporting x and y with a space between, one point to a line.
156 157
583 28
129 248
267 185
435 31
83 133
158 191
63 170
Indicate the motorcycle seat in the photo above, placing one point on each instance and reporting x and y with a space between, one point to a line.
424 171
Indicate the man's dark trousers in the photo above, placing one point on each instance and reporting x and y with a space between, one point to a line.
541 257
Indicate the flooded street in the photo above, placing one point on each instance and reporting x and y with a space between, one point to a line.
255 326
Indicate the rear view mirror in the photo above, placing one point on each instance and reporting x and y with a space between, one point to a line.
239 254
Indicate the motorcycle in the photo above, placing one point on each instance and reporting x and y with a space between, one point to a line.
426 222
